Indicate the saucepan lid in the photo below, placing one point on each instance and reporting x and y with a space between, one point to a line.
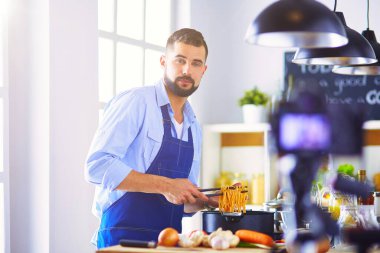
274 204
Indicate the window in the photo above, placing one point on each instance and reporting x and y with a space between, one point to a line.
4 168
132 37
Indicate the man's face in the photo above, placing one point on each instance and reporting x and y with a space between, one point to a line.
184 67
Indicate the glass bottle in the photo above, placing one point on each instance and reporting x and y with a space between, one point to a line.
347 220
362 177
377 206
348 216
224 179
257 189
376 181
242 179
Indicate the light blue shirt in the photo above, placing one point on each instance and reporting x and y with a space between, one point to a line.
129 138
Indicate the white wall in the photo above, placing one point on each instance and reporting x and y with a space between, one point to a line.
234 66
73 120
53 115
29 131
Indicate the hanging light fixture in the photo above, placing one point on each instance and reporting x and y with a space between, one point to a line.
369 69
357 51
297 23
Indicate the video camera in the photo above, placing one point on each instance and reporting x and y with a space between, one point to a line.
307 126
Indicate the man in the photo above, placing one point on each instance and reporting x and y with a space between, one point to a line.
145 156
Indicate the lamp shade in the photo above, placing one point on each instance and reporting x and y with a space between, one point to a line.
357 51
369 69
297 23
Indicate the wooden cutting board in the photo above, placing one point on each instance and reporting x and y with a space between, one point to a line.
159 249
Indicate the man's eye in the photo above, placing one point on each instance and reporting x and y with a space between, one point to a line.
180 60
197 64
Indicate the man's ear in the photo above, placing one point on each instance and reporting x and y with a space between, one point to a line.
204 70
162 61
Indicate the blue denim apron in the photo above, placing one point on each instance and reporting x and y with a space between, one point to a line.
142 216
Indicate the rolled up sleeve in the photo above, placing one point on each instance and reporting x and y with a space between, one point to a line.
118 129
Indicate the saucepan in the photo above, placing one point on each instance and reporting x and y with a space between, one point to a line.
261 221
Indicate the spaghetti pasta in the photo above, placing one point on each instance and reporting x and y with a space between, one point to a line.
233 199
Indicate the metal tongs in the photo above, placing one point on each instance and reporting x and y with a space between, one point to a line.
218 189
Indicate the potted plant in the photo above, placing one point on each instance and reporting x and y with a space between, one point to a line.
254 104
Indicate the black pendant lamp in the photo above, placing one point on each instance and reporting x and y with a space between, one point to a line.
297 23
357 51
369 69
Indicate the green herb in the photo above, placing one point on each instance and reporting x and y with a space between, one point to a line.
255 97
346 169
252 245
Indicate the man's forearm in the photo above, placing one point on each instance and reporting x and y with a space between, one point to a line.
140 182
176 190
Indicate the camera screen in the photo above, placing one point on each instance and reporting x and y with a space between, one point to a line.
304 132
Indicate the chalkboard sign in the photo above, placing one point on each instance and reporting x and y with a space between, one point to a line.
339 89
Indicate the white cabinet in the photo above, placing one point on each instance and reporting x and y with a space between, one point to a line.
240 148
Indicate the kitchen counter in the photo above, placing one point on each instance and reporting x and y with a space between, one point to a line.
159 249
118 249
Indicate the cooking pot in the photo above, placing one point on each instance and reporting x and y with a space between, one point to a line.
261 221
275 206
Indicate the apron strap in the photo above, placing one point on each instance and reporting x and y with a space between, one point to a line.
166 120
167 124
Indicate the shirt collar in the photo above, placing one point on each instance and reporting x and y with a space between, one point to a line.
162 96
163 99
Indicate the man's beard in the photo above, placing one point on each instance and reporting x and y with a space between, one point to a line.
177 90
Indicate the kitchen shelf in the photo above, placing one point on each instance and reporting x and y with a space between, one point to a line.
240 148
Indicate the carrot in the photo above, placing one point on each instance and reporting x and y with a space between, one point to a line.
254 237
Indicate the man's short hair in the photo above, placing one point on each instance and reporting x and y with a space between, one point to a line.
188 36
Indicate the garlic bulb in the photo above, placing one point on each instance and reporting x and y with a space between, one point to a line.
185 241
206 242
219 243
197 238
234 241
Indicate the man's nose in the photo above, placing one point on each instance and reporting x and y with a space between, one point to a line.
186 69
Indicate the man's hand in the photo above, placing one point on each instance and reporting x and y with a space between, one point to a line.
213 202
180 191
177 191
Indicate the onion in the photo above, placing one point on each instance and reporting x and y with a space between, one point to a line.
168 237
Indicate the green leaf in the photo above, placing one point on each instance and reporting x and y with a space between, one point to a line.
254 96
347 169
252 245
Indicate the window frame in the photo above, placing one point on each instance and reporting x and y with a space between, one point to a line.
116 38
